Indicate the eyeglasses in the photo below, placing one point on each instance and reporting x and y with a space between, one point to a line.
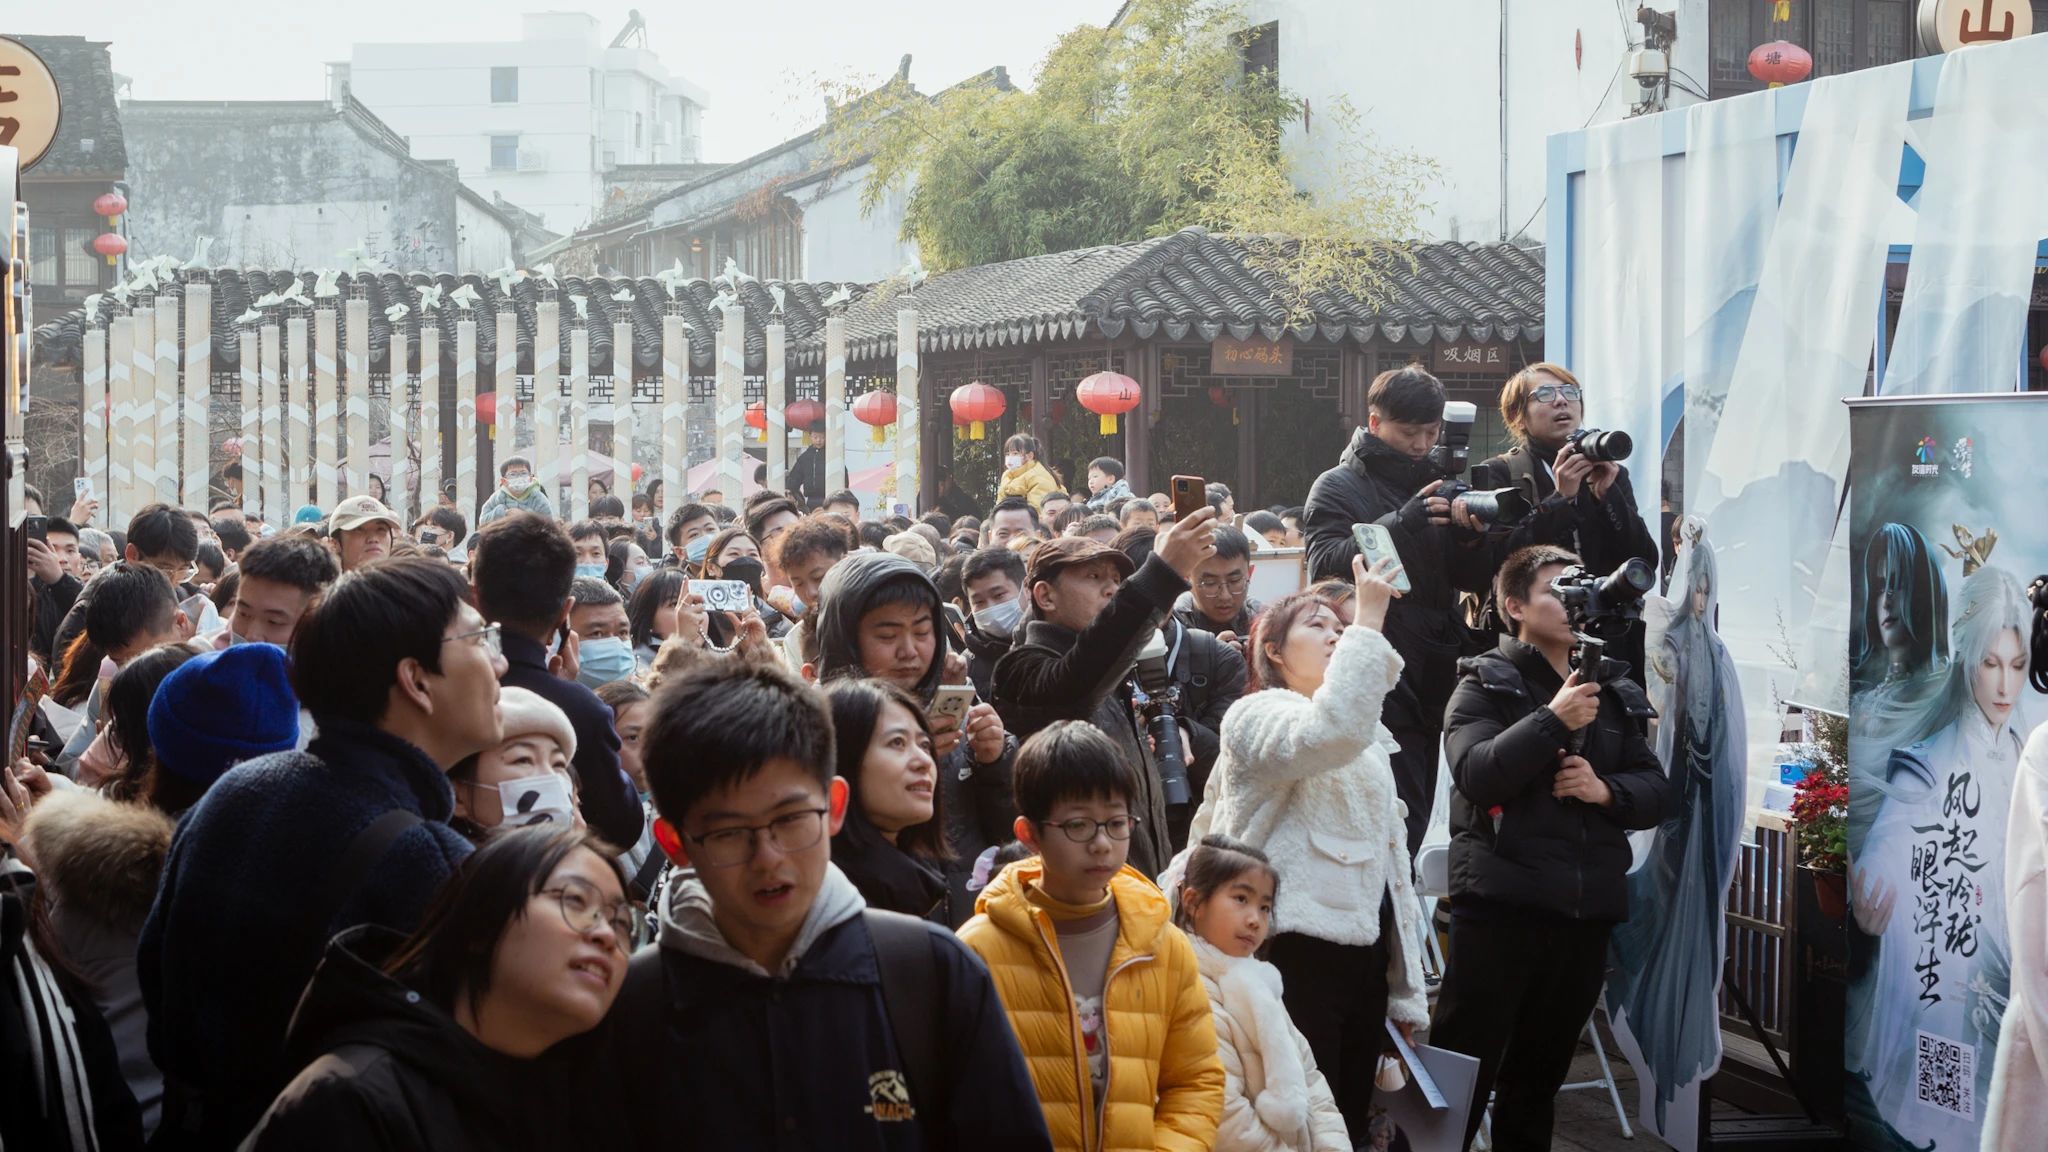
584 908
517 477
1082 830
493 639
1545 393
177 575
1235 582
731 847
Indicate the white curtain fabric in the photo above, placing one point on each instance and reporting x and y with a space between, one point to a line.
1771 483
1620 337
1982 214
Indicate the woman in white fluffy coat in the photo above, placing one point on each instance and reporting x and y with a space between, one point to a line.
1304 775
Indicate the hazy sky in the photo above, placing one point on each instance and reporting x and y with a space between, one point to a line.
754 59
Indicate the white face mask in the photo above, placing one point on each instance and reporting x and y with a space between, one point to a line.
1013 461
540 799
999 620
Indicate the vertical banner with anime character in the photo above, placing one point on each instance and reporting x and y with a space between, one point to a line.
1945 533
1663 987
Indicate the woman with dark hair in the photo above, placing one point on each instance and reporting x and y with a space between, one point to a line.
1304 775
1902 632
454 1039
651 613
626 564
893 843
78 670
126 732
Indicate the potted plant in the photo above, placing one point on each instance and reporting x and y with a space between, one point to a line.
1820 813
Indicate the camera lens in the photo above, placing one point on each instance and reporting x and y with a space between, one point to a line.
1603 447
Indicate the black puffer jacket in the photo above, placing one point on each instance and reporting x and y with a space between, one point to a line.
1374 484
384 1069
1514 843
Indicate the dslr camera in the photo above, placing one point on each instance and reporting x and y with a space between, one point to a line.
1453 455
1159 701
1601 447
1600 608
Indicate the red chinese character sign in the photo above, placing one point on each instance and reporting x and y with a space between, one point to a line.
1951 25
29 102
1228 357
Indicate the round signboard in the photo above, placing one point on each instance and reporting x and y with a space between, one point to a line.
1947 25
28 102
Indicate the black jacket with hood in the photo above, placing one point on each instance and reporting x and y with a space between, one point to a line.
974 799
1055 673
1374 484
384 1069
1512 842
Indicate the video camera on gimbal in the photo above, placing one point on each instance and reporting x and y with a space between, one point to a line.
1600 608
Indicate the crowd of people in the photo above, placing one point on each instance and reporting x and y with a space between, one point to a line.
785 825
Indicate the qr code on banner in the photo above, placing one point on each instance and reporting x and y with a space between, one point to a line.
1945 1075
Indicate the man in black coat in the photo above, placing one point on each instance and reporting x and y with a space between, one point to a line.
522 566
401 677
807 472
1385 478
1089 616
1543 798
1578 504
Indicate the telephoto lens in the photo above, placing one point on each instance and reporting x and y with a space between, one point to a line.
1602 447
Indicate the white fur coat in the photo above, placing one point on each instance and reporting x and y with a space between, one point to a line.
1274 1097
1308 780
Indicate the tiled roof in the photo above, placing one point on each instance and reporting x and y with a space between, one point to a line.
1189 285
89 140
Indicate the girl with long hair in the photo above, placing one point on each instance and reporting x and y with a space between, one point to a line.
893 842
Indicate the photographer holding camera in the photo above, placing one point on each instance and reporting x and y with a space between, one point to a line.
1387 477
1574 479
1543 798
1090 613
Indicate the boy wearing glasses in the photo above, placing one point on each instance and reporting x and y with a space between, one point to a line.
773 1014
1103 990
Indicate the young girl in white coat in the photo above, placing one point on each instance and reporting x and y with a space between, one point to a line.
1274 1098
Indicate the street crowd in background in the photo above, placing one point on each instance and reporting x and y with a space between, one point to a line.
1016 824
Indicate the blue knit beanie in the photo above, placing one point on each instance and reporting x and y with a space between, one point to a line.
221 708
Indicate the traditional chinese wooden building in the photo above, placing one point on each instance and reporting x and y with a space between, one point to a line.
1229 392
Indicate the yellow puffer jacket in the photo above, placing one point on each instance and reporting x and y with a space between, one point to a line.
1033 482
1165 1088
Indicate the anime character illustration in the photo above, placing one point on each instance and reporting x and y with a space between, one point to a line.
1667 956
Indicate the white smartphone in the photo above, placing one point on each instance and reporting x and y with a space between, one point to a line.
953 700
1378 544
81 488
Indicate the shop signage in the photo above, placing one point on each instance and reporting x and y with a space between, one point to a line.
28 102
1947 25
1469 357
1229 357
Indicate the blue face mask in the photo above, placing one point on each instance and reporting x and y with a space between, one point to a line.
601 661
593 570
694 551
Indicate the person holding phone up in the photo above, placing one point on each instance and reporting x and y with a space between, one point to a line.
1384 477
880 617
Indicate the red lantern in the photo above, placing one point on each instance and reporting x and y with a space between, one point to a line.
110 204
1219 396
975 405
487 409
1108 394
639 470
877 409
803 413
1780 62
2044 358
110 245
757 417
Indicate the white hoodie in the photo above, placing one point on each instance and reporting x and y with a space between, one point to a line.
1274 1097
687 926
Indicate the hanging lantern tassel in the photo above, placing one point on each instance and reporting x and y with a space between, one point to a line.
978 431
1109 423
1782 13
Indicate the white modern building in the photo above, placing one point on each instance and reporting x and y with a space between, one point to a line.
537 120
1477 85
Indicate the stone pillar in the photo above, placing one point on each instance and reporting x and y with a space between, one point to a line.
466 496
732 404
299 452
431 445
119 502
838 420
675 394
169 413
142 416
505 383
908 411
92 440
547 395
325 408
579 424
198 394
622 411
269 486
774 398
256 448
398 492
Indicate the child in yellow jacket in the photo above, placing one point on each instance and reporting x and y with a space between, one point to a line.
1104 993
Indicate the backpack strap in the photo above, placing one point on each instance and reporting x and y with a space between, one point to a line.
910 985
363 853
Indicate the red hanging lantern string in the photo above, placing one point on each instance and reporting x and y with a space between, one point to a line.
877 409
1108 395
974 405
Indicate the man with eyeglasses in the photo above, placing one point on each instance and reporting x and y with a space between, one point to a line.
160 537
777 1010
1584 507
400 674
1220 603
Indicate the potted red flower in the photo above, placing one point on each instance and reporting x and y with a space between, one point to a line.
1820 814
